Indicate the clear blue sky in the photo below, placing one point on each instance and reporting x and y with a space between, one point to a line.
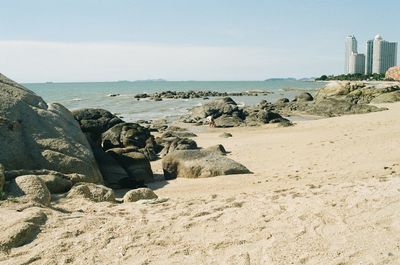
96 40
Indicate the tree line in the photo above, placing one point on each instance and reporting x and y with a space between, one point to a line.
353 77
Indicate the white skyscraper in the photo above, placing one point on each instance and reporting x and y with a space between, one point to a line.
384 55
351 47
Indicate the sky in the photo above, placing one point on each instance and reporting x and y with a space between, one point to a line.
109 40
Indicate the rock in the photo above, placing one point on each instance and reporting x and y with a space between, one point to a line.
226 107
41 136
226 121
255 117
332 107
2 178
30 188
56 184
387 97
136 164
92 192
125 135
19 228
139 194
225 135
176 143
357 92
305 96
114 175
75 178
180 134
199 164
94 122
219 149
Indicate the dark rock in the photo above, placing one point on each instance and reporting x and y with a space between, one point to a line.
135 163
125 135
94 122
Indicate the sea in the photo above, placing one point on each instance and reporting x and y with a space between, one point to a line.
97 95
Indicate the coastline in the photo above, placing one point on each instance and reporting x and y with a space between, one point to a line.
317 190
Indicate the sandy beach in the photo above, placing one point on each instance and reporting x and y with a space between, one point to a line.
324 191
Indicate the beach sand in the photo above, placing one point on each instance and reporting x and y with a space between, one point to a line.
325 191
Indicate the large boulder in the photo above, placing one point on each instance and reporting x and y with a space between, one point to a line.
30 188
135 163
38 135
94 122
139 194
199 164
91 192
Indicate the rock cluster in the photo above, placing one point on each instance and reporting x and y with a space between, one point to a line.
197 94
227 113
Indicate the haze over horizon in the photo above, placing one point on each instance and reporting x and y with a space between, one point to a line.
98 40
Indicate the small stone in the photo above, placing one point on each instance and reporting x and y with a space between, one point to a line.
139 194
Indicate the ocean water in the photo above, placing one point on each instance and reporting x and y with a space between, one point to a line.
96 95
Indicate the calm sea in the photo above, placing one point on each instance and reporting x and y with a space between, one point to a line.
96 95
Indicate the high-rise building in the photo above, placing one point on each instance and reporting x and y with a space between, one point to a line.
357 63
368 57
384 55
351 47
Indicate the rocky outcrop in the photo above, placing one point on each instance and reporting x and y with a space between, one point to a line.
91 192
226 113
199 164
196 94
94 122
139 194
356 92
29 188
41 136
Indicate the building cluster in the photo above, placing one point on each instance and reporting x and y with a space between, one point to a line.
379 57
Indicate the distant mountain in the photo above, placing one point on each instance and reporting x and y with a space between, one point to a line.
281 79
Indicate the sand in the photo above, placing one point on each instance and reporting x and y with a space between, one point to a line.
323 192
